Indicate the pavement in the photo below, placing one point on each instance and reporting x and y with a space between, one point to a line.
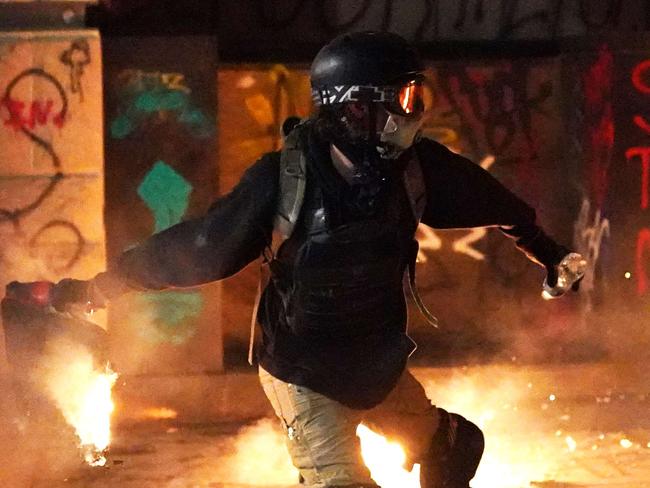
546 427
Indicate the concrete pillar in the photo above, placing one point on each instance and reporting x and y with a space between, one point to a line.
161 169
51 146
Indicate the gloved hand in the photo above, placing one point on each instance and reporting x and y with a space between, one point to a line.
566 275
60 295
564 268
94 293
69 291
36 293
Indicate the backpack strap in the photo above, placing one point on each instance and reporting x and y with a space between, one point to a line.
293 181
265 276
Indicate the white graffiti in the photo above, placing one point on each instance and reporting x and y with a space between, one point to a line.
587 237
462 245
429 240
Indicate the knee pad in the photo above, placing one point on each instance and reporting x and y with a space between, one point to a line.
454 455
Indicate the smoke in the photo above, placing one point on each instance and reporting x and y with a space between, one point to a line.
522 444
258 457
81 390
35 442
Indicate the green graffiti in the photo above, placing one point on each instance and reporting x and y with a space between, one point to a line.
166 193
171 315
121 127
168 316
155 100
140 106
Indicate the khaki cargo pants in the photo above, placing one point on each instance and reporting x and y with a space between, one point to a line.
321 433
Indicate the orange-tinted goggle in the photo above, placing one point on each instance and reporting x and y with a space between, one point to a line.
408 101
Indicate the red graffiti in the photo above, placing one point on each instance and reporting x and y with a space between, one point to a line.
641 123
39 113
642 245
599 79
644 153
638 79
641 82
598 85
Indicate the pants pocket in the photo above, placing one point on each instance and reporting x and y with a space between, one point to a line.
281 396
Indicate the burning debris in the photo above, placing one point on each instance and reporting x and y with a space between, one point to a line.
82 393
59 359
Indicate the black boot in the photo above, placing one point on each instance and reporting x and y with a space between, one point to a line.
454 455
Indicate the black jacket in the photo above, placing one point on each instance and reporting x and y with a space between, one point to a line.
238 227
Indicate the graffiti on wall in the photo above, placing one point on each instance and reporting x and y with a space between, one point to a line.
76 58
506 19
149 98
640 157
158 123
516 17
281 93
598 139
492 110
489 114
39 113
166 193
588 236
27 117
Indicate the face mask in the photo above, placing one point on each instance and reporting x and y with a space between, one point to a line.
399 133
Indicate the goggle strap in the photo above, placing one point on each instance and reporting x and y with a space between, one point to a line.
352 93
404 99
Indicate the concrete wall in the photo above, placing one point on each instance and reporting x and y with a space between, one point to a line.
51 157
51 139
250 27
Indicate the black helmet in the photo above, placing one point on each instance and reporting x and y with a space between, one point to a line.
368 87
361 64
365 58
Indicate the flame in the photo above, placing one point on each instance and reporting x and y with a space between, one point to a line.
385 460
82 393
510 459
528 441
259 457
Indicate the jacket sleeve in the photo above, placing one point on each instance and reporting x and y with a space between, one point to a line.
233 233
461 194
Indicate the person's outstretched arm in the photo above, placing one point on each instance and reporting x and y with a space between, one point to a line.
233 233
461 194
